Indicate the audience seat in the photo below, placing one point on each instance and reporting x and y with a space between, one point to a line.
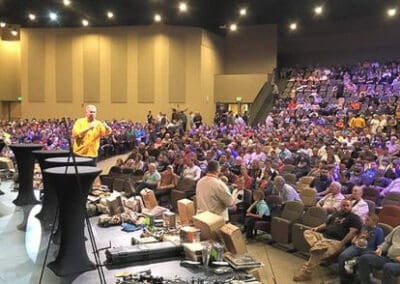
274 203
185 189
393 198
371 206
313 217
386 228
123 185
308 195
371 193
390 214
107 180
281 227
288 168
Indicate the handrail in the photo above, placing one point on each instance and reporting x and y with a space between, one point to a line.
259 100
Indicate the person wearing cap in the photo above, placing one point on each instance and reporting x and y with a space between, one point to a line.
87 132
212 194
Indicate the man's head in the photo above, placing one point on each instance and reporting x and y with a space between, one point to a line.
152 167
91 112
357 193
213 167
346 206
279 182
335 187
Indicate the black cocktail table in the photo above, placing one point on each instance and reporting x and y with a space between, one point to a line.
72 258
25 162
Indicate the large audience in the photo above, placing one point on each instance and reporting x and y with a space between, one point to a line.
338 126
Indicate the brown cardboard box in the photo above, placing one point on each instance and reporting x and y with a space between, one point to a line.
186 211
149 198
190 234
209 223
233 239
193 251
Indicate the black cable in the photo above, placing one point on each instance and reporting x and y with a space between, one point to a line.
87 220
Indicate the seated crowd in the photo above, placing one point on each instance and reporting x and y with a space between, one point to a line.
332 130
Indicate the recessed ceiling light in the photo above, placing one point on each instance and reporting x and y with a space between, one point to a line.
2 24
157 18
110 14
85 22
14 33
53 16
32 17
183 7
318 10
243 12
293 26
233 27
67 2
391 12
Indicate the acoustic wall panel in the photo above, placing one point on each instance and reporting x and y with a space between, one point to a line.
63 63
146 69
91 69
118 57
177 69
36 67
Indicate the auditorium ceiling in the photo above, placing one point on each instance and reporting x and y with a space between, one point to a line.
214 15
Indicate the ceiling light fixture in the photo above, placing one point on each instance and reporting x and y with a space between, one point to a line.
391 12
2 24
85 22
243 12
233 27
53 16
110 14
157 18
32 17
14 33
318 10
183 7
67 2
293 26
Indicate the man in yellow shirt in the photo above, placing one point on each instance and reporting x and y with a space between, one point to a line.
87 132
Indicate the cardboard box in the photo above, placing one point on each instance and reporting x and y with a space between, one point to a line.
233 239
190 234
149 198
209 224
114 204
185 211
193 251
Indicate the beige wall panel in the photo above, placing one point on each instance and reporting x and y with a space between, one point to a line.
177 69
10 79
132 67
118 54
247 86
146 71
252 50
91 68
36 67
63 62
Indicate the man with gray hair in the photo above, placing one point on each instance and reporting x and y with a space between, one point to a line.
287 192
331 201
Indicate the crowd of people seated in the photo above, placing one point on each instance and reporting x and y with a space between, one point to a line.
336 128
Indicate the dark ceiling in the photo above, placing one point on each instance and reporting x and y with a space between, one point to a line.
209 14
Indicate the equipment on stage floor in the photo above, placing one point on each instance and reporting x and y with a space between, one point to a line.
128 254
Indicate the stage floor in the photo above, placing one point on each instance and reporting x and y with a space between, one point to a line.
24 252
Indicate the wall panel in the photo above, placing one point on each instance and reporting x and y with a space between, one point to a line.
63 71
177 69
91 69
118 58
36 67
146 70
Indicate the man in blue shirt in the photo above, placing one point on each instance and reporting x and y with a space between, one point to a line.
257 211
366 241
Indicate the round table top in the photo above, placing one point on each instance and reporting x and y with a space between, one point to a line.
26 146
68 160
51 152
70 170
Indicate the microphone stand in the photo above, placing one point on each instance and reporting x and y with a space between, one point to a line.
92 239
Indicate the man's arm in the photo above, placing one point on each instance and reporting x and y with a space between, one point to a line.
350 235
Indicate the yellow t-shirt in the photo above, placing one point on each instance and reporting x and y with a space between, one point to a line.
87 145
